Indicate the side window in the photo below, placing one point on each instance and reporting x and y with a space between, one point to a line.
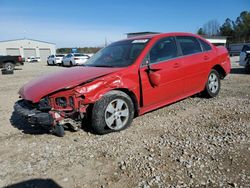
205 46
163 50
189 45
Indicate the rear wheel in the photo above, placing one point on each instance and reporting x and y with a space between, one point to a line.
113 112
247 67
71 64
9 66
212 87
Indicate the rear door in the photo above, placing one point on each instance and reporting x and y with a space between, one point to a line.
195 64
163 60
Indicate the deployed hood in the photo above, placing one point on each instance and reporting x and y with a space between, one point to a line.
38 88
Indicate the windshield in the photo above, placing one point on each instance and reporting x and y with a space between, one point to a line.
118 54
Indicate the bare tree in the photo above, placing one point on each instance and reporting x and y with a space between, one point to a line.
211 28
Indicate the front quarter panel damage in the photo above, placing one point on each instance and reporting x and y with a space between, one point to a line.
94 90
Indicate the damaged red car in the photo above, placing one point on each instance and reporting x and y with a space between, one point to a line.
123 80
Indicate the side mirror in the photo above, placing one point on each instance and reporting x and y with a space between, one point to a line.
154 78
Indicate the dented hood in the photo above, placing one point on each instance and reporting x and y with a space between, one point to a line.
38 88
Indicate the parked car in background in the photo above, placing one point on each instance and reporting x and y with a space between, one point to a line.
33 59
9 62
235 49
74 59
55 59
245 57
123 80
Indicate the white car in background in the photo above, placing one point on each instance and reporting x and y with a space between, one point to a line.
245 57
32 59
55 59
74 59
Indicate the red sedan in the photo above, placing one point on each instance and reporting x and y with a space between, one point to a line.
124 80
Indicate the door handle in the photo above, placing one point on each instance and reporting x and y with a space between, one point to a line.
206 57
176 65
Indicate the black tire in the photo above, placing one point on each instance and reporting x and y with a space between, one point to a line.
48 63
71 64
212 87
9 66
54 63
247 69
58 130
100 112
62 64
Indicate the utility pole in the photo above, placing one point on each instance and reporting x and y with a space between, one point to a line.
106 42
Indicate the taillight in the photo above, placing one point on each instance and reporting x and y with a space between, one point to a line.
76 58
19 58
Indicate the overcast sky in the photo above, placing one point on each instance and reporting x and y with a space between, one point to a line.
82 23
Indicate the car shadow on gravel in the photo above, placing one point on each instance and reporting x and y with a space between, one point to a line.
23 125
238 71
37 183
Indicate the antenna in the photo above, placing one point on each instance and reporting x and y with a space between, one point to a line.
24 34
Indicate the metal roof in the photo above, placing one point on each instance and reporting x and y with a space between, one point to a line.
26 39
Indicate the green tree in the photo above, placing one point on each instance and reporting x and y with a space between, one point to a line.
242 27
200 32
227 29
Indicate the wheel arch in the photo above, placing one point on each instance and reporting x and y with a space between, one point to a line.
220 70
9 61
133 98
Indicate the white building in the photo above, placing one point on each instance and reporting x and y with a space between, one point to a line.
216 40
27 48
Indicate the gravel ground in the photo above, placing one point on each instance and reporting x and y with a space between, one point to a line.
196 142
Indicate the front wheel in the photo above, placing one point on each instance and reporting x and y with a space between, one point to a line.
113 112
212 87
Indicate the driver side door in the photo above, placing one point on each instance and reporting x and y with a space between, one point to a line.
163 59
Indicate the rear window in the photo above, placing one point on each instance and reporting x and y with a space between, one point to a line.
77 55
59 55
189 45
205 46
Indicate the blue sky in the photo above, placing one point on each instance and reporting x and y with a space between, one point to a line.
82 23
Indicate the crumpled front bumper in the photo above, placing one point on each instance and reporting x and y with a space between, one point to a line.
33 116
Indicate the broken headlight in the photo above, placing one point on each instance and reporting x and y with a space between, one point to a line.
61 101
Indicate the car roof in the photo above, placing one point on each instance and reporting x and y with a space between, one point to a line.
150 36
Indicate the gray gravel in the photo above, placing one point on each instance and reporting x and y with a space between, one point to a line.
196 142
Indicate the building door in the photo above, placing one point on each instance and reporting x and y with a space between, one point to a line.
29 52
12 51
44 54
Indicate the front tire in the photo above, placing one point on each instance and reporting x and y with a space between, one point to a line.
213 84
58 130
113 112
